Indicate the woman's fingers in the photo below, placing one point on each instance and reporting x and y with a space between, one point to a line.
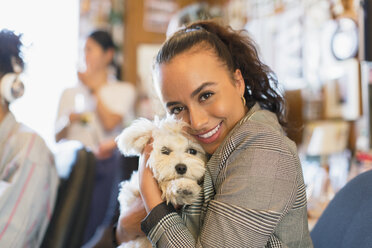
129 224
149 187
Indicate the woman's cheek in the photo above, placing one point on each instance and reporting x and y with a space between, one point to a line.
219 108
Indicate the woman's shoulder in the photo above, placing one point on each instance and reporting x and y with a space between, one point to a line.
261 130
120 86
72 91
25 132
261 117
28 143
259 143
258 121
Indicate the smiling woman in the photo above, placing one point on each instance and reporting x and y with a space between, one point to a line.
253 192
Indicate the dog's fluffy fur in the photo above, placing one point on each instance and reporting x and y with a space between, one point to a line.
177 162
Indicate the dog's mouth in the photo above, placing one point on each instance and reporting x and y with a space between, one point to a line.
185 192
199 182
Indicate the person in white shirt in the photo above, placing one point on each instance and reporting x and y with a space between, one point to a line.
96 110
28 176
94 113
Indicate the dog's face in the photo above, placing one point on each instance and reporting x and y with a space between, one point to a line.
177 160
176 156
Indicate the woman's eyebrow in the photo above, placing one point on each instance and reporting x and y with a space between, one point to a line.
170 104
193 94
200 88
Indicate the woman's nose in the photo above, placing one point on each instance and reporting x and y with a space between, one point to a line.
198 118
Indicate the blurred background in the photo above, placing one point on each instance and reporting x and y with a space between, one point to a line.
321 51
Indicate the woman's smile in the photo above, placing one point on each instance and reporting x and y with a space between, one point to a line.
209 136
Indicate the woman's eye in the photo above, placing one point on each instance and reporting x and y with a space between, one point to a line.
192 151
205 96
176 110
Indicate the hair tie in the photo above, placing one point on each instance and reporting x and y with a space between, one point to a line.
192 29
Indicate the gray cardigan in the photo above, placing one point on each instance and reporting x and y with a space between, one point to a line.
253 194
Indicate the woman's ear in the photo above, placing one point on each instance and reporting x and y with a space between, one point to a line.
109 55
239 81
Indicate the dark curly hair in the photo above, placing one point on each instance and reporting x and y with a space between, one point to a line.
236 50
10 47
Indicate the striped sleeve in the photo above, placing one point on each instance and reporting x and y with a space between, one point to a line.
163 224
230 226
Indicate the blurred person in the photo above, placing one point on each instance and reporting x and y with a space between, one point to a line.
94 112
97 109
28 176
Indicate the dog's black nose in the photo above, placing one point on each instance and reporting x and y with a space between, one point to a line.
181 169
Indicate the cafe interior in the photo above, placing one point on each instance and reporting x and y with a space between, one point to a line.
320 50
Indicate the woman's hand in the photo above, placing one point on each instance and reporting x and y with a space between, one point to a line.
150 192
129 223
93 82
84 117
74 117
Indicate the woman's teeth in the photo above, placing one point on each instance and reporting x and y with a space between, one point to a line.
210 133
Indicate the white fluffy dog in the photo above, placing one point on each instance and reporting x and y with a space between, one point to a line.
177 162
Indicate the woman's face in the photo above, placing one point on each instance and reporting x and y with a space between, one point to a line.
198 88
95 57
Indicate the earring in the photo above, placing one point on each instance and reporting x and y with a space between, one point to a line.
243 100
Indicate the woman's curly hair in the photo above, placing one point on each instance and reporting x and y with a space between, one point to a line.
10 48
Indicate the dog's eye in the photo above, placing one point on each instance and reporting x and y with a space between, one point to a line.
165 150
192 151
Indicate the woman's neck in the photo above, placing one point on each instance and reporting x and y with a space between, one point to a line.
100 76
4 110
94 79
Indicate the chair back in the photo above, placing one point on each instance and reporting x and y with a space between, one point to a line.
347 220
76 168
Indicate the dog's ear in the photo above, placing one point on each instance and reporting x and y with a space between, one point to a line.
133 139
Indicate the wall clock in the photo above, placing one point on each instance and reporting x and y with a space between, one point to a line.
344 42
